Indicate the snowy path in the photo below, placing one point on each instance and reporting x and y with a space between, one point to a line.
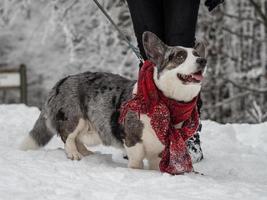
235 167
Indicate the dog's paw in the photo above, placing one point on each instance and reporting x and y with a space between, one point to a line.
136 165
75 155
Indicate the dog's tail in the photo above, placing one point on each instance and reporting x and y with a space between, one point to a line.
39 136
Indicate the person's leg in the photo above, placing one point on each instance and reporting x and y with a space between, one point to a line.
147 15
180 18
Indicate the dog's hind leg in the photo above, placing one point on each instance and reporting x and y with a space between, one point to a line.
70 144
82 149
88 137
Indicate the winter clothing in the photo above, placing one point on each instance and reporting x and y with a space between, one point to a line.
173 21
164 114
211 4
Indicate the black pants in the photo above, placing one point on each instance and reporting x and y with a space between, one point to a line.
173 21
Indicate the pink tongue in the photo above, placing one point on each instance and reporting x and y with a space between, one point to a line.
198 77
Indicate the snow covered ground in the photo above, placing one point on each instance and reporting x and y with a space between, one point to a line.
235 167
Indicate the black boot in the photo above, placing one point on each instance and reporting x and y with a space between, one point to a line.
193 143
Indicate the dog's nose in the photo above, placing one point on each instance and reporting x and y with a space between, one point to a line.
202 62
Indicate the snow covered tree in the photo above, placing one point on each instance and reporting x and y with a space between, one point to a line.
237 62
59 37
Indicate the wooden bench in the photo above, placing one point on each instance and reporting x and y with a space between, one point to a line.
14 78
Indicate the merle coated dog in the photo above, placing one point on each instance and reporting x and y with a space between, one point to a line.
84 108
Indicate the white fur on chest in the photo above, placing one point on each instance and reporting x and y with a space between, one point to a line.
153 146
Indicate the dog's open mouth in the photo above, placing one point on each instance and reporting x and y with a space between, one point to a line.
196 77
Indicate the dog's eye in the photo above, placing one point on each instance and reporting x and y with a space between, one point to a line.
181 55
175 59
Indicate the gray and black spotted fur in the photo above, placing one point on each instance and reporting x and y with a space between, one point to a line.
93 96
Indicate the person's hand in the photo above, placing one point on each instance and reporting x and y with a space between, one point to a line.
211 4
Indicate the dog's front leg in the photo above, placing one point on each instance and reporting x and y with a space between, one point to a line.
133 142
153 162
136 155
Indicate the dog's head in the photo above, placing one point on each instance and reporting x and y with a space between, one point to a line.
179 71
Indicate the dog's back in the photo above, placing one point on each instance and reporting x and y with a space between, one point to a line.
92 97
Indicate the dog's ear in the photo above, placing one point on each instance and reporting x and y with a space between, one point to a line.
154 47
200 47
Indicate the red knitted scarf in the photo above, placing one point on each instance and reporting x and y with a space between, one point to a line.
164 114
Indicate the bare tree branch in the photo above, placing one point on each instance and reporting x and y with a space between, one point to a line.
227 101
69 7
242 35
259 11
238 85
242 18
